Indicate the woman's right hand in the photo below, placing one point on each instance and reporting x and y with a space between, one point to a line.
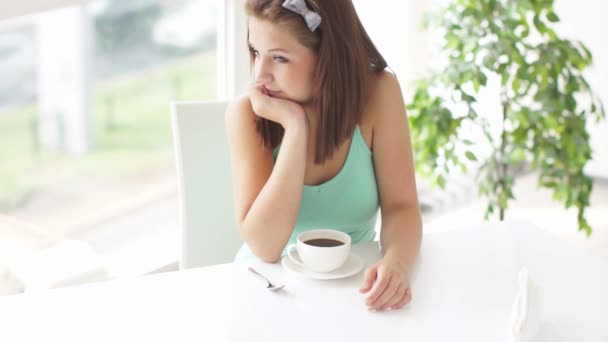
281 111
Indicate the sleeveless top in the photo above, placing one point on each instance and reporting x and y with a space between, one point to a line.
348 202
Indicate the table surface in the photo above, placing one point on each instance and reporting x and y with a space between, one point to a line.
463 289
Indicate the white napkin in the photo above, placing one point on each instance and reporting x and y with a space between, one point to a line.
525 317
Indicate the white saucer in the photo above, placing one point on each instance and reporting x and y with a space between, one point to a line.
353 265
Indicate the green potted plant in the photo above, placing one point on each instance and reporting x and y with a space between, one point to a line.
545 102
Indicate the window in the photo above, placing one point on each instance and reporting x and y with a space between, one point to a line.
85 131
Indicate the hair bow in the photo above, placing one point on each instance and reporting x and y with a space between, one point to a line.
313 20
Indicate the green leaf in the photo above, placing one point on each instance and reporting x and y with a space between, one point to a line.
589 55
469 12
441 181
504 78
476 85
467 98
540 26
470 156
463 168
452 41
549 184
515 85
552 17
489 60
483 79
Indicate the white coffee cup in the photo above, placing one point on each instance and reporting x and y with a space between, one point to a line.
317 256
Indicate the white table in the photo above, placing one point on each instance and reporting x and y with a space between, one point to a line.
463 291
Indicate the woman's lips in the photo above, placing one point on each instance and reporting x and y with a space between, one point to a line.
272 92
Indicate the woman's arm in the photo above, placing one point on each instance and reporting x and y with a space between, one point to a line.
267 197
401 230
401 236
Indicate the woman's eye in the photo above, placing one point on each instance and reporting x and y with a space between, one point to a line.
281 59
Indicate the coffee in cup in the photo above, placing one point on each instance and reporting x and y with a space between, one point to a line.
324 242
321 250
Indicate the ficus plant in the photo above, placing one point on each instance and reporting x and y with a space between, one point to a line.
545 102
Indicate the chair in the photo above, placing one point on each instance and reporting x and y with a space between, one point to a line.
208 231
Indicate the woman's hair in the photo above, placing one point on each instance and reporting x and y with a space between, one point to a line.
346 57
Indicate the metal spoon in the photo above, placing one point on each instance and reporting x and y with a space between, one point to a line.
270 286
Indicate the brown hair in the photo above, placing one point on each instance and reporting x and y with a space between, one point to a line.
345 58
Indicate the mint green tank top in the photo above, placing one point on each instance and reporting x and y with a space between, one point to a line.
348 202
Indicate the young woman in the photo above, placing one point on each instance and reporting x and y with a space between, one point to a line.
322 140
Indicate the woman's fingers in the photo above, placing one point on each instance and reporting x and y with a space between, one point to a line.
387 295
368 279
407 298
261 102
396 298
380 285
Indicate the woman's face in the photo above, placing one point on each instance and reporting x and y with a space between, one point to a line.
282 64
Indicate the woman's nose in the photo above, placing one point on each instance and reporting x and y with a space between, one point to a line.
262 74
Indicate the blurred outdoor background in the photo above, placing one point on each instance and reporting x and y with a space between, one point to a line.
78 165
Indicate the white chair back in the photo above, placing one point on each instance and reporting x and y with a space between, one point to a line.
209 234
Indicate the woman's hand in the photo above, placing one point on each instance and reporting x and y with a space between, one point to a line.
388 285
281 111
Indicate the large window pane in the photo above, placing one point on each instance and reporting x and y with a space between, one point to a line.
85 135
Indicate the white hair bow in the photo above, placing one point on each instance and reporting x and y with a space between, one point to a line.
313 20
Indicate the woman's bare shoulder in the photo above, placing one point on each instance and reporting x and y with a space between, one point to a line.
383 90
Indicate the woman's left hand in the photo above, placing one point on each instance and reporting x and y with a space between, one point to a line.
387 282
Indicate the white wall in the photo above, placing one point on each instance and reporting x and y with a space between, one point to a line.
391 40
394 28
